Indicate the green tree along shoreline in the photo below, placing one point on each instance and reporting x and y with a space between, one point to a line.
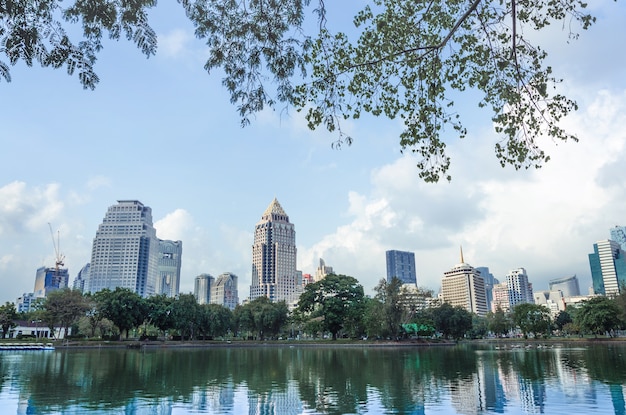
334 310
412 63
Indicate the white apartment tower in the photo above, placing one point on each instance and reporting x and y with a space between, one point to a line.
274 273
125 250
464 286
520 290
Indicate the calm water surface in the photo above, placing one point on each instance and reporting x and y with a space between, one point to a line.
306 380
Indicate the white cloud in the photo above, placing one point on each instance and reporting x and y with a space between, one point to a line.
545 220
174 225
28 208
174 43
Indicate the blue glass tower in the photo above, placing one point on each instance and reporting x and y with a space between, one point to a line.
608 267
401 264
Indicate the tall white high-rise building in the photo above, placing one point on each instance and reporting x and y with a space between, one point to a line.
170 261
464 286
274 273
125 250
520 290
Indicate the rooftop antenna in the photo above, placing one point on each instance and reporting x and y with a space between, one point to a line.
462 262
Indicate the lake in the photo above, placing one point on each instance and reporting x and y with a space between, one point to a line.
264 380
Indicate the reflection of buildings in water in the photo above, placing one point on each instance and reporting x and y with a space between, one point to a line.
138 406
617 396
492 389
532 395
576 385
466 395
213 398
276 402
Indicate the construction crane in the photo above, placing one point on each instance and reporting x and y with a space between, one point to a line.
58 263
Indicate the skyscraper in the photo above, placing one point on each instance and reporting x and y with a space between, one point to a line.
401 264
618 234
170 260
274 272
490 282
125 250
567 285
608 267
224 291
464 286
81 280
520 290
202 288
50 279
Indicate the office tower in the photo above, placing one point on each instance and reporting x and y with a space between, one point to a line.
274 257
401 264
25 303
500 297
322 270
125 250
202 288
567 285
170 260
224 290
608 267
618 234
490 281
50 279
520 290
464 286
80 282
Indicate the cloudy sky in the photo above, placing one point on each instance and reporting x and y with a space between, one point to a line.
162 131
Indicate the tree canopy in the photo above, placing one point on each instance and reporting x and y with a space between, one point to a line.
337 299
406 60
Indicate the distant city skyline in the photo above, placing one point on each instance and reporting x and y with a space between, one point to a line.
162 130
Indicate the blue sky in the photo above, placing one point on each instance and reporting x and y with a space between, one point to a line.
161 130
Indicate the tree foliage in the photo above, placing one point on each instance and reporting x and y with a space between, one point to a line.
598 315
407 60
215 320
498 322
532 318
452 321
337 299
64 308
125 308
262 317
7 316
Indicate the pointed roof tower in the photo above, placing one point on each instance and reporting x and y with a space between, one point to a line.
275 212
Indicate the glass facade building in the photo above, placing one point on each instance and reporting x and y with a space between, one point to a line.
608 267
568 286
50 279
401 264
125 250
202 288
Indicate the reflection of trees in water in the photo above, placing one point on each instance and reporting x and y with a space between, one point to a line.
340 380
